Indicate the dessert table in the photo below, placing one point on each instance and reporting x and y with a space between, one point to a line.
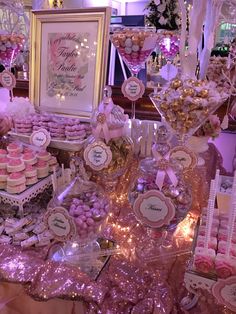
143 279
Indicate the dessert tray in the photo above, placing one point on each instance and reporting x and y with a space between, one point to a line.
24 197
213 266
72 146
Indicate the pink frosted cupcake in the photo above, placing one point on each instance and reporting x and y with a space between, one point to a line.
3 175
14 147
31 180
42 169
16 189
29 158
3 185
3 153
15 179
44 155
53 164
30 171
14 155
3 163
15 165
28 150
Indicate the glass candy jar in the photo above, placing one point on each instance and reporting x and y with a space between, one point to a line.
109 150
87 206
159 196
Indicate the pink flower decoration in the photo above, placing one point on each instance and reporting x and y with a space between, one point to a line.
224 271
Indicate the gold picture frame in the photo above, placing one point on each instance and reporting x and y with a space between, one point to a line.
68 62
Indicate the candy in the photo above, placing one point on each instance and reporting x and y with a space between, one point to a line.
88 219
139 41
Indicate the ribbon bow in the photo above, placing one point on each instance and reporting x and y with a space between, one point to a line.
102 127
164 168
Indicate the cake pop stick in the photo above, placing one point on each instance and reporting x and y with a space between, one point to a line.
63 174
54 185
232 217
204 257
225 263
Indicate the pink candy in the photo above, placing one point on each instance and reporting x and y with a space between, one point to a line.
89 212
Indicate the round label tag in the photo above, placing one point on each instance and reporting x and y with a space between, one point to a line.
97 155
7 80
154 209
60 223
133 88
40 138
224 290
183 155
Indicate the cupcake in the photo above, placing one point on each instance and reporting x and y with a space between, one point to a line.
42 169
14 155
16 178
31 180
3 175
3 163
16 189
15 165
3 153
30 171
14 147
3 185
53 164
44 155
29 158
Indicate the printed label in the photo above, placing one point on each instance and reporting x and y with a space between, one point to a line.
98 155
184 156
154 209
224 290
60 223
133 88
7 80
40 138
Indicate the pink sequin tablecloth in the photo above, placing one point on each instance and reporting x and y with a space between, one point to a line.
143 280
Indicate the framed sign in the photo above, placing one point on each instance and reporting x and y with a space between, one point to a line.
68 60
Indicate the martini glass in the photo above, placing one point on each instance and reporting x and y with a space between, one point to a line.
134 45
185 105
10 46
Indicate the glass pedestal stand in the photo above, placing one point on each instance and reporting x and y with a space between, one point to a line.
134 45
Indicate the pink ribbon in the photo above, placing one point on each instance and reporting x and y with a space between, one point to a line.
165 169
102 127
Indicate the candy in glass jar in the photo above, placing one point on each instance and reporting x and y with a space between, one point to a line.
109 150
83 206
159 196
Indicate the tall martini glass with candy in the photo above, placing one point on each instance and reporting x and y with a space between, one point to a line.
185 105
10 46
134 44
